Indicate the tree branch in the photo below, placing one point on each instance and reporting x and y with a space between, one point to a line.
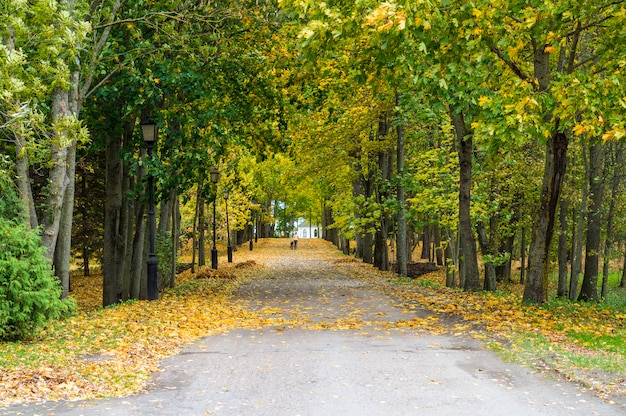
512 65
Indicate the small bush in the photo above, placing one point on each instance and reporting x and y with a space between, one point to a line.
29 291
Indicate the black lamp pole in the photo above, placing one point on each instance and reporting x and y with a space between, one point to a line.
215 176
150 133
252 202
229 249
256 227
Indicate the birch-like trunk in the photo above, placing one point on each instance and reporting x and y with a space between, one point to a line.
62 257
57 177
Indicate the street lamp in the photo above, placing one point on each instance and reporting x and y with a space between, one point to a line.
229 249
215 176
252 220
149 132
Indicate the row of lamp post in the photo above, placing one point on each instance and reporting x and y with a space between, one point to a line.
149 131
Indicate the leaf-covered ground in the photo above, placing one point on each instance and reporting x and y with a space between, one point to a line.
113 351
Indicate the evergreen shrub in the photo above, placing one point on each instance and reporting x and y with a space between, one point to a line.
29 291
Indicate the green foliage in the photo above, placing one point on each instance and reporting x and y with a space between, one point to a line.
29 292
9 201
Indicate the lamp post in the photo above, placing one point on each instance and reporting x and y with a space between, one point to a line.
256 227
215 176
149 132
229 249
252 218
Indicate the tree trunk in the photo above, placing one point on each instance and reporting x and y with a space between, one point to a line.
63 250
536 287
401 249
522 272
116 220
62 253
503 271
385 163
485 247
622 282
381 255
468 259
437 241
201 228
23 181
577 238
128 215
450 261
176 218
608 242
113 239
589 289
357 190
562 287
86 249
330 234
57 178
410 244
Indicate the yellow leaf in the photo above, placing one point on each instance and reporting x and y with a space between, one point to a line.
579 129
609 135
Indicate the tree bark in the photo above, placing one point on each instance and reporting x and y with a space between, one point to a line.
579 232
23 181
562 287
63 248
468 259
485 247
622 282
401 249
201 228
57 177
450 261
536 287
589 289
385 163
608 242
113 236
522 272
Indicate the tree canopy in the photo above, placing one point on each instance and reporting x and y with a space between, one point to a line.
462 128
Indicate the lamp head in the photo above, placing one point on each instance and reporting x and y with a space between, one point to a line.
215 175
149 130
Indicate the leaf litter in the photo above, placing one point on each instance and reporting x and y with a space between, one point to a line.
112 352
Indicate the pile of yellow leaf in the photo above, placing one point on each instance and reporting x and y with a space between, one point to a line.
113 351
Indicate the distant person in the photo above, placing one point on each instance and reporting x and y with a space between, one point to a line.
295 240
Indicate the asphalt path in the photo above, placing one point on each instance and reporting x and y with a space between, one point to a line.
290 370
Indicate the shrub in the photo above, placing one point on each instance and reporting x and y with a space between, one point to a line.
29 291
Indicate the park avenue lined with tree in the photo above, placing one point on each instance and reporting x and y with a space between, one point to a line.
482 139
